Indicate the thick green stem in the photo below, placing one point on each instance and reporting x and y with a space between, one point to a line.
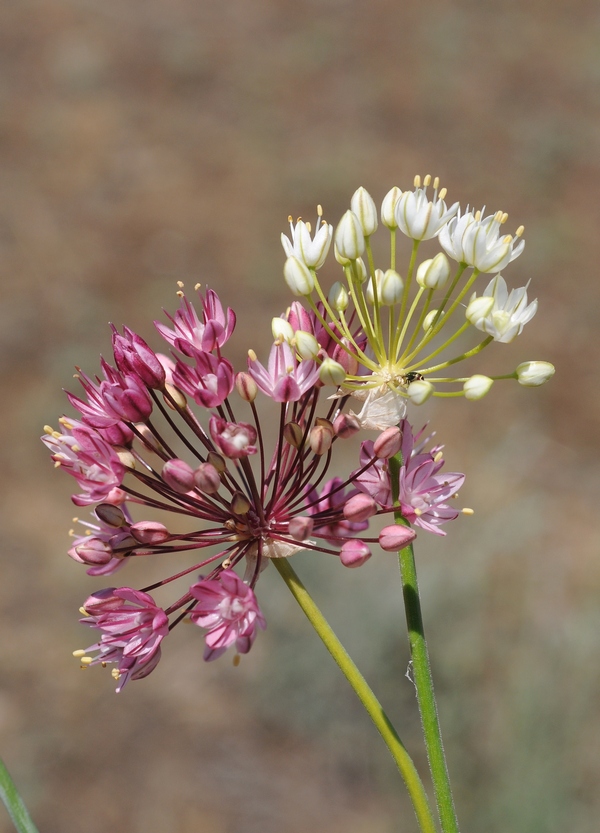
365 695
14 803
422 671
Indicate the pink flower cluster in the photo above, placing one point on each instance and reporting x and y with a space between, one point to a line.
159 432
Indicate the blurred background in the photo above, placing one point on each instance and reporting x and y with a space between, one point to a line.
145 143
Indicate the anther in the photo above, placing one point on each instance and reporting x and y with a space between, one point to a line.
438 456
417 181
236 660
467 511
252 355
442 194
197 286
83 611
180 284
319 211
436 183
86 660
427 180
79 653
519 231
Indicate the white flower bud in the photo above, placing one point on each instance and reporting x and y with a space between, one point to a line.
419 391
388 208
306 345
390 288
533 374
361 269
363 206
478 308
338 297
430 318
343 261
331 372
298 277
281 329
434 273
349 238
477 386
370 293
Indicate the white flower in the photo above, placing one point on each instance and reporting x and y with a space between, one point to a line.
507 314
298 276
363 206
532 374
383 407
420 218
311 251
434 273
477 242
419 391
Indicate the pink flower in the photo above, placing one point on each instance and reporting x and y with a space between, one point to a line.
327 510
188 331
132 355
132 628
235 439
286 379
81 452
209 382
228 609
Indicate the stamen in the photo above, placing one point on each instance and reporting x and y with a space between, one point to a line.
427 180
467 511
86 660
79 653
236 660
417 181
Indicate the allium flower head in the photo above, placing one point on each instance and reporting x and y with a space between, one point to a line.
161 434
403 328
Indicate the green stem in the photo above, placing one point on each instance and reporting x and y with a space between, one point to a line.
14 803
372 705
422 670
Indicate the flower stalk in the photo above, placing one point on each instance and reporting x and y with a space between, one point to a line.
370 702
14 803
422 670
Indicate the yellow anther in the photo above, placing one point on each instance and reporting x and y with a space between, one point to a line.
478 215
86 660
252 355
290 218
180 284
507 238
467 511
236 660
197 286
226 564
418 512
309 227
115 673
71 533
48 429
179 293
319 211
427 180
519 231
442 194
436 183
504 217
83 611
79 653
417 181
438 456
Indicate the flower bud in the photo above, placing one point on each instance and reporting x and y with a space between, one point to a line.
217 461
178 475
359 508
374 282
354 553
174 398
306 345
321 436
363 206
207 479
292 434
240 505
349 238
388 443
390 288
477 386
419 391
281 329
338 297
345 355
388 208
301 528
361 269
110 515
533 374
92 551
345 425
479 307
298 277
148 439
246 386
150 532
343 261
434 273
430 318
395 538
234 439
132 354
331 372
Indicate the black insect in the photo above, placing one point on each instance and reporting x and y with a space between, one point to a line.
413 376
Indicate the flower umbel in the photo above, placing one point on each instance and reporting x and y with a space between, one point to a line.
409 321
224 495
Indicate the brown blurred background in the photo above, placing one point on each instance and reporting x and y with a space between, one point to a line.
148 142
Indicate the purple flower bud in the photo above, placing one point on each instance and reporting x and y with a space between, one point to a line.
240 505
345 426
110 514
301 528
132 355
128 399
360 508
354 553
207 479
321 437
150 532
395 538
178 475
92 551
246 387
388 443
